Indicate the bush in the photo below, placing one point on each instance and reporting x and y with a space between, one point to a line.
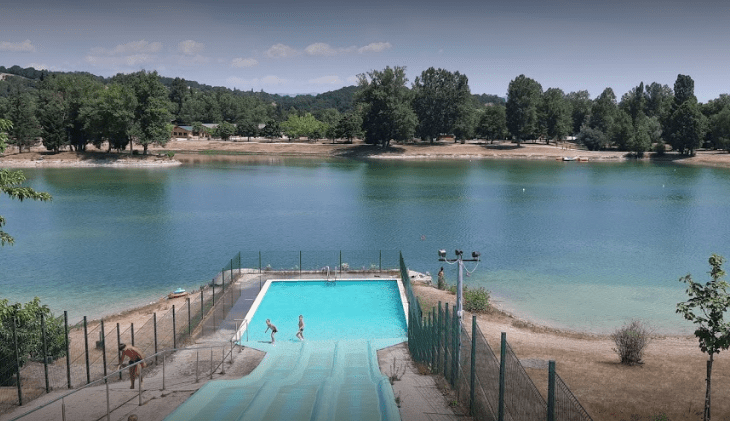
476 300
631 339
170 154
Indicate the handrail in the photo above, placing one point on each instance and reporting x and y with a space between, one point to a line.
105 379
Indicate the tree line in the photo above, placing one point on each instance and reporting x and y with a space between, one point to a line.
74 110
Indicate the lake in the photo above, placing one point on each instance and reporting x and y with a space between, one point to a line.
585 246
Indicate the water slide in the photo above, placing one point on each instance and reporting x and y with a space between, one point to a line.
310 380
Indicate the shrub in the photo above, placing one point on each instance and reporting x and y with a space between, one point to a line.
631 339
476 300
170 154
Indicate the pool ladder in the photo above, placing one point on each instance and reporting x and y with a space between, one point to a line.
330 281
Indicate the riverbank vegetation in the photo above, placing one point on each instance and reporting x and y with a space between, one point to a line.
70 111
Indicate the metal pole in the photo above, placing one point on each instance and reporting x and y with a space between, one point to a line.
211 363
446 339
231 280
131 328
188 301
108 407
139 370
163 371
174 331
154 326
456 331
63 409
231 351
197 361
86 347
213 293
103 346
300 263
17 361
119 353
502 372
259 261
45 350
472 379
551 391
340 262
459 315
439 331
223 360
380 260
68 353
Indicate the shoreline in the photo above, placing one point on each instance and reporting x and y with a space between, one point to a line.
191 152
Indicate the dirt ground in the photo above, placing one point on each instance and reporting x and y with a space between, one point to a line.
196 151
671 382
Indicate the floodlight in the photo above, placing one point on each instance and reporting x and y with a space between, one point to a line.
475 254
458 252
442 254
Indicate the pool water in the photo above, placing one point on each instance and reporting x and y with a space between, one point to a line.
341 310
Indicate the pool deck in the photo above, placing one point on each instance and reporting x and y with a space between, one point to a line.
419 395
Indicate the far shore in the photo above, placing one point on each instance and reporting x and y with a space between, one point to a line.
184 151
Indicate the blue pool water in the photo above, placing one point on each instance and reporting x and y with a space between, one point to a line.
343 310
332 375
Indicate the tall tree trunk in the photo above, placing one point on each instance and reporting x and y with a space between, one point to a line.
709 387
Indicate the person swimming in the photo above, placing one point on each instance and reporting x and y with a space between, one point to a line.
300 333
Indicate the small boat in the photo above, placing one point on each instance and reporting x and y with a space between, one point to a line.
177 293
569 158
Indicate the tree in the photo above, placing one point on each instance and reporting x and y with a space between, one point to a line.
622 131
10 182
224 130
26 129
110 117
151 114
719 125
493 123
593 139
271 129
27 321
523 99
706 308
349 126
686 128
580 105
555 112
247 128
179 93
387 112
442 102
603 112
658 100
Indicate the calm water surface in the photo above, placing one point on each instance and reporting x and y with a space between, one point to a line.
579 245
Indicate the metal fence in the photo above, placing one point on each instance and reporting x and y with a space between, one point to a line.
492 388
90 349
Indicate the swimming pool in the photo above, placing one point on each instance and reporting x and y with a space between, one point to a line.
332 375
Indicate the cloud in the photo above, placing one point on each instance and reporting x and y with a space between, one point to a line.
322 49
134 47
374 47
326 80
256 82
352 80
192 60
244 62
190 47
273 80
38 66
281 51
18 47
130 60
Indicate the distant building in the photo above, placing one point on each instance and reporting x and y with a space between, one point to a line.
186 132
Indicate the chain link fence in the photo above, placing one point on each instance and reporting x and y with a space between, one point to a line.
492 388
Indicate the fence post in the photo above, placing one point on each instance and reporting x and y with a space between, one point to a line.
103 346
472 379
502 372
231 280
446 339
551 391
202 309
213 293
300 263
197 361
380 260
439 332
432 345
211 363
86 348
188 301
154 327
174 332
340 262
131 329
45 350
259 261
119 353
17 361
455 344
68 346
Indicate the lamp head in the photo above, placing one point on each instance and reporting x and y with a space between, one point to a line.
458 252
475 254
442 254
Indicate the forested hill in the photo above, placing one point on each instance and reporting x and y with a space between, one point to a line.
340 99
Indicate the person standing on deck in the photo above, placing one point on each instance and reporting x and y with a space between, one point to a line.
441 280
135 355
271 326
300 334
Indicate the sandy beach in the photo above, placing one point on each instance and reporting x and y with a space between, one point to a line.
197 151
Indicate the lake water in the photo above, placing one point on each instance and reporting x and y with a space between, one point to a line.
585 246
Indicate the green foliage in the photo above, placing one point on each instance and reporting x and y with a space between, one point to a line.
631 339
29 334
5 126
109 116
523 98
685 126
387 112
26 130
224 130
593 139
603 112
349 126
442 102
476 300
493 123
306 126
622 130
555 114
580 105
151 113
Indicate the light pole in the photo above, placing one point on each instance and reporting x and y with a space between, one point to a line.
459 286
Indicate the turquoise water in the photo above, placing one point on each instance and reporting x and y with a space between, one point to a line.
579 245
332 375
341 310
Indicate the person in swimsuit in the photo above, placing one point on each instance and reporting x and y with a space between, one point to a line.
135 355
300 334
271 326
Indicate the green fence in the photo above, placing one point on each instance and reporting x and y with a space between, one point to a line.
492 388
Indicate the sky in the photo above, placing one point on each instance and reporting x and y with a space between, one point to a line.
293 47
